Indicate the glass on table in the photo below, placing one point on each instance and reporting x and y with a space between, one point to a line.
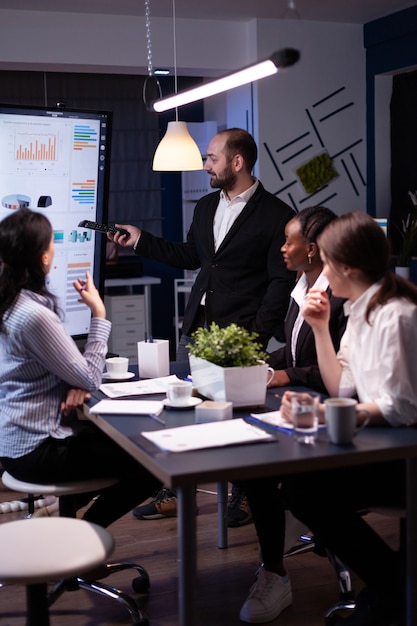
305 416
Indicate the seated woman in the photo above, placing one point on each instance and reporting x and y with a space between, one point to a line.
43 377
296 362
376 362
297 365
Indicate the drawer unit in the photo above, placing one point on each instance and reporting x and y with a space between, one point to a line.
127 315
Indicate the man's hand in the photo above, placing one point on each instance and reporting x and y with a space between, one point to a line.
125 240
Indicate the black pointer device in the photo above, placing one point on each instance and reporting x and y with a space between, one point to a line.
103 228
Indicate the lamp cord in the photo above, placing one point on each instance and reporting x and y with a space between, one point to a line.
175 54
148 35
151 89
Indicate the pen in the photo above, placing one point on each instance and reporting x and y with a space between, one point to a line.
156 417
146 337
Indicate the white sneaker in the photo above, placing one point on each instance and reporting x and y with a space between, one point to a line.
269 595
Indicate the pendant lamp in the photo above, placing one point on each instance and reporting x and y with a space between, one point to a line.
177 150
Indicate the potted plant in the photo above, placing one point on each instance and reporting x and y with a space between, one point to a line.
408 232
227 364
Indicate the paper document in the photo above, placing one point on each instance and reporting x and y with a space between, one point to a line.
211 435
274 419
137 387
127 407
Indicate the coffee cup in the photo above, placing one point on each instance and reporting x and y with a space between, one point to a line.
179 392
117 366
305 416
341 419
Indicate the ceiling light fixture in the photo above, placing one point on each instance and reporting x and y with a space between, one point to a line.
277 61
177 150
291 12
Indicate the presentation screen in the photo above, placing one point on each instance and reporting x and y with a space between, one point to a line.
56 161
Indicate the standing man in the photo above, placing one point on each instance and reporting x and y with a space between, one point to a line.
235 239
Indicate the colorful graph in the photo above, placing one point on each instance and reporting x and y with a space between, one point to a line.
84 192
31 147
85 136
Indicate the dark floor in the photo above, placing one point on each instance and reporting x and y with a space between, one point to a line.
224 576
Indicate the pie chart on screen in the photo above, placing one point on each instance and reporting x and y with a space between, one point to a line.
15 201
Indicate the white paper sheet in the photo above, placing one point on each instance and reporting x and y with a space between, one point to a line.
212 435
273 418
127 407
137 387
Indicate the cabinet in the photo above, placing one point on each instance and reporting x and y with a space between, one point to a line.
127 315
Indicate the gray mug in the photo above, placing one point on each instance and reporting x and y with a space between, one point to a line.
341 419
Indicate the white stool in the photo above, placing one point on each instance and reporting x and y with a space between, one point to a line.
55 489
140 584
44 549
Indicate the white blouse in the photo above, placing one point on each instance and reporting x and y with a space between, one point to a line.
299 294
379 357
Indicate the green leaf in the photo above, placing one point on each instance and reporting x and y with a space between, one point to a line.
230 346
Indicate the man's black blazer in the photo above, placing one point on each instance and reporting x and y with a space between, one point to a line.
246 280
306 372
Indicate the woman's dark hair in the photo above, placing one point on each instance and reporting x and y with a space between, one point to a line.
357 241
313 220
239 141
24 237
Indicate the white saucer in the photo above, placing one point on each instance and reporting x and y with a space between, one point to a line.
126 376
190 403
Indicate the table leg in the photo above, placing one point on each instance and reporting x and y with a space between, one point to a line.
187 560
222 514
411 543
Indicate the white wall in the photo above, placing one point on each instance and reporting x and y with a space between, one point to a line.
278 110
47 40
318 104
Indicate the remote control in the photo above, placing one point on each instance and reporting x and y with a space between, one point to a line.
103 228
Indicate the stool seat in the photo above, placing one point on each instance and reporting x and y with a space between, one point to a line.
49 548
69 561
57 489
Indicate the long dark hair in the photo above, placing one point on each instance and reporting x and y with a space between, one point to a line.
24 237
357 241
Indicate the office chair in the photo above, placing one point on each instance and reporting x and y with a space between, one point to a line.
346 600
43 556
140 584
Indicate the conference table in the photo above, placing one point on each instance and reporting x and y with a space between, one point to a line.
283 455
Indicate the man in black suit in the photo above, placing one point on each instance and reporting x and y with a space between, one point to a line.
235 239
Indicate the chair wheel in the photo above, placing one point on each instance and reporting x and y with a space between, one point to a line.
141 584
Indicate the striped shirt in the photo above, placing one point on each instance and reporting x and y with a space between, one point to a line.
39 363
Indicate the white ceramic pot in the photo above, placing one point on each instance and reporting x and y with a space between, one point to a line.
243 386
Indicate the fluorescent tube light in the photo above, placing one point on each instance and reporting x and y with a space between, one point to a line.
278 60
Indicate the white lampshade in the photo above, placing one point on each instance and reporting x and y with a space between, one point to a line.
177 151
